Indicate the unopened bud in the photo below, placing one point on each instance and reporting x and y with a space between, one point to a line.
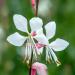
33 3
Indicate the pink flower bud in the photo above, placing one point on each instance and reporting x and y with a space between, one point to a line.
39 68
33 71
33 3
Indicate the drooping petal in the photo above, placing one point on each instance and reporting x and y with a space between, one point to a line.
50 29
20 22
35 23
59 44
16 39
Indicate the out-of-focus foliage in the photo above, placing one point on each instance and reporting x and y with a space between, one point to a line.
61 11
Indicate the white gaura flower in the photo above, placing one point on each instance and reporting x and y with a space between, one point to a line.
51 48
39 69
18 40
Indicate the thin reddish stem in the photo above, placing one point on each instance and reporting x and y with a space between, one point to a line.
36 14
37 3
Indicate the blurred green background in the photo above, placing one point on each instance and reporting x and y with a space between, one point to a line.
60 11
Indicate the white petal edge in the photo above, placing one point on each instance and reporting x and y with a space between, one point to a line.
20 22
50 29
59 44
16 39
35 23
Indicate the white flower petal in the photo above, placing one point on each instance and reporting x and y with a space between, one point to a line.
59 44
41 39
16 39
20 22
35 23
50 29
39 31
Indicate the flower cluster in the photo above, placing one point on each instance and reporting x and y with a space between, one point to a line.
42 40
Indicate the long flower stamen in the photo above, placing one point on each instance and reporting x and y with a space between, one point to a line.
34 45
51 55
55 58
